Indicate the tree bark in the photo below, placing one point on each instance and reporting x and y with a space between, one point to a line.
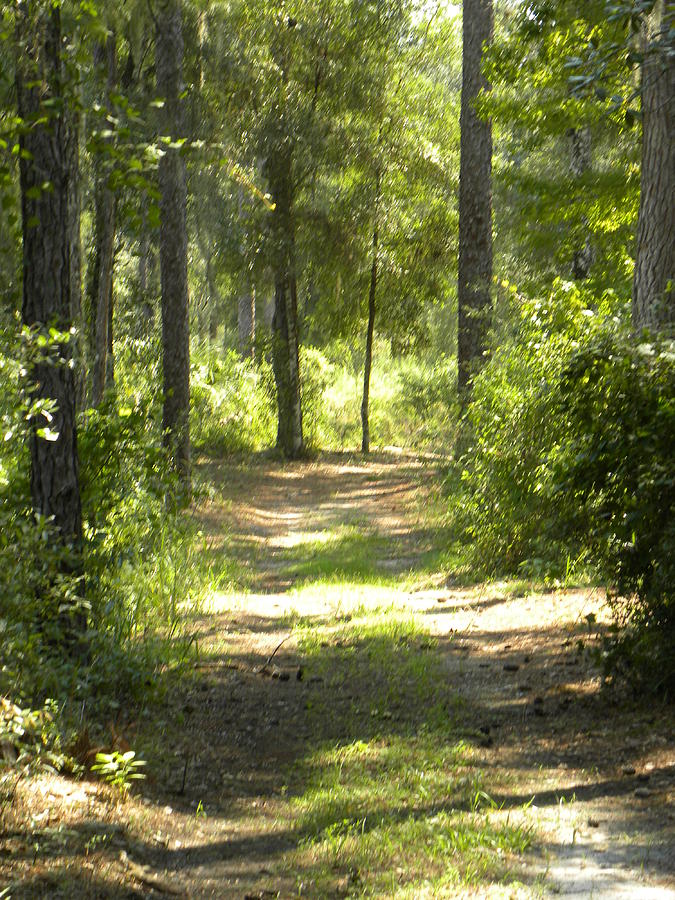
173 243
368 363
246 319
653 291
285 347
100 281
580 163
213 300
475 198
50 269
146 277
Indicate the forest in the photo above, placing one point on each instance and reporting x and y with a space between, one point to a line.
337 480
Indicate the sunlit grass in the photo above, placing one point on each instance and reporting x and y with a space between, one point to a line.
392 802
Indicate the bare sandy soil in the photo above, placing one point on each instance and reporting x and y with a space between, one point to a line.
593 769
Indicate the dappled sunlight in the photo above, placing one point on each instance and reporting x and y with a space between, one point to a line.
353 720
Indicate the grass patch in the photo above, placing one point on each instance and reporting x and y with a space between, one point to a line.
350 555
391 802
347 552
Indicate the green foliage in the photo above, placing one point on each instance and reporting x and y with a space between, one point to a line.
614 467
232 405
119 769
535 114
413 401
569 466
140 571
317 375
503 478
31 738
142 564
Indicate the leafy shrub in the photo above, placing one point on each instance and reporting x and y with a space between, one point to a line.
142 563
614 466
572 426
119 769
140 572
503 499
412 399
317 374
31 737
233 404
427 400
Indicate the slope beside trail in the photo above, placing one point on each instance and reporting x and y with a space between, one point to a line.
592 772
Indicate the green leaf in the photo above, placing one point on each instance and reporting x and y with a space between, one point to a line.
48 434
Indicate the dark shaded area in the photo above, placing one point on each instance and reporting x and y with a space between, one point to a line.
62 885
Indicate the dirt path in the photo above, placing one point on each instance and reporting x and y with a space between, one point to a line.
592 773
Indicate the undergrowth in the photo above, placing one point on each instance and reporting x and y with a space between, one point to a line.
567 472
412 400
140 573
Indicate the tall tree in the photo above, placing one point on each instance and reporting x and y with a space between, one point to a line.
395 172
48 180
580 163
653 290
372 293
475 196
284 76
285 339
173 240
100 273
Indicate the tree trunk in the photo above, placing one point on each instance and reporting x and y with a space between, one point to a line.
173 243
475 198
100 281
246 319
213 301
145 277
580 163
368 363
110 357
285 349
50 271
653 292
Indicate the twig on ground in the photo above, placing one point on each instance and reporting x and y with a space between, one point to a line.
274 652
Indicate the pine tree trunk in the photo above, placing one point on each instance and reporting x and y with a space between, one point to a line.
285 345
145 277
475 198
110 358
368 363
653 290
246 319
50 270
173 243
100 281
213 300
580 163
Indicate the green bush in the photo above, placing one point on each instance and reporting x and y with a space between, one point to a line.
569 467
427 400
140 573
412 399
503 504
233 405
317 374
614 467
